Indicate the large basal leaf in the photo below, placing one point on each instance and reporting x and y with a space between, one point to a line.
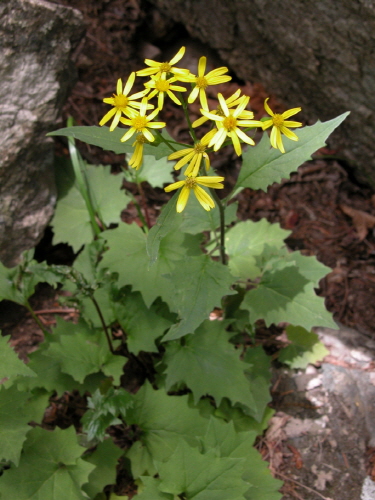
198 284
83 351
263 165
13 423
128 257
223 438
142 325
105 459
305 348
285 295
10 363
155 172
163 420
149 490
50 468
199 476
71 222
209 365
246 241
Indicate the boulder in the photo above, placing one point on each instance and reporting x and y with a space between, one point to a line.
36 43
318 55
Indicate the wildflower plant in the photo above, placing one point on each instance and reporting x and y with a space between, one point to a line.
184 392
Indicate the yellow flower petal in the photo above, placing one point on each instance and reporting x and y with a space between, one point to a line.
182 199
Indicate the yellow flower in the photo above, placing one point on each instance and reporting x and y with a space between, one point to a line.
122 103
194 155
157 68
140 123
280 126
232 101
192 183
163 86
228 125
137 157
202 81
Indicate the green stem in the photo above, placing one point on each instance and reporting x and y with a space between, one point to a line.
222 226
164 140
35 318
144 205
186 113
81 184
96 305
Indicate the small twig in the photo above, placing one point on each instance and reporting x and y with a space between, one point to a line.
56 311
286 478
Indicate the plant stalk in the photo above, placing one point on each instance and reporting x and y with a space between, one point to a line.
103 323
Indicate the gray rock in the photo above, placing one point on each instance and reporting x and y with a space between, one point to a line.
319 55
36 42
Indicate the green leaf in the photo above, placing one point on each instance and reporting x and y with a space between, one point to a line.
83 351
228 443
13 423
285 295
105 458
164 420
50 468
198 285
141 325
309 266
155 172
201 477
259 377
263 165
17 283
166 222
128 257
97 136
305 348
149 490
209 365
104 410
71 222
10 363
246 241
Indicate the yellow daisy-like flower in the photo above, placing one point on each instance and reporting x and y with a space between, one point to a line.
140 123
192 183
202 81
194 155
280 124
122 103
163 86
232 101
228 125
158 68
137 157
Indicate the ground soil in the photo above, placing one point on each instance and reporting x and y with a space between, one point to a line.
328 212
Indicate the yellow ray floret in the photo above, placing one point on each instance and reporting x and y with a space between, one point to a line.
280 125
202 81
158 68
162 86
194 183
122 102
228 125
137 156
140 123
194 155
231 102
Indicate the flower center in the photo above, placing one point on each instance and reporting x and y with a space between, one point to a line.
190 182
139 122
278 121
201 82
199 147
165 67
141 139
121 101
230 123
162 85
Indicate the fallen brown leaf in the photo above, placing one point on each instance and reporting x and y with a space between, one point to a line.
362 220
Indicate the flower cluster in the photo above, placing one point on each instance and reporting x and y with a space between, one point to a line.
230 121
